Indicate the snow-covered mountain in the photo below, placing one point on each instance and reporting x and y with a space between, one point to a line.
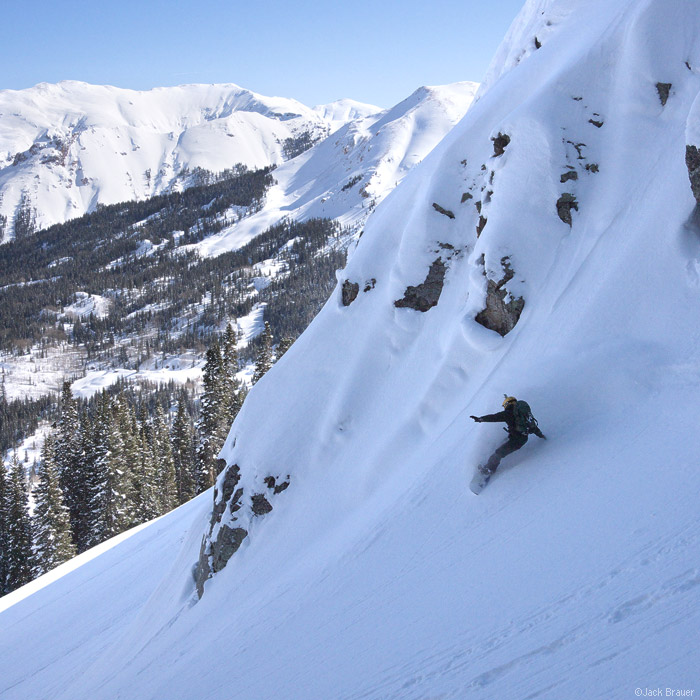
341 112
343 177
549 248
67 147
346 175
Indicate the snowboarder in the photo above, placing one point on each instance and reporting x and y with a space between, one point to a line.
521 423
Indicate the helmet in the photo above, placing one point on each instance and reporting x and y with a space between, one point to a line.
508 400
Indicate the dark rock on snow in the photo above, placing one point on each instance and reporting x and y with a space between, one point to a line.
664 90
425 295
226 545
692 160
349 292
565 204
500 315
260 504
222 549
442 210
230 482
500 143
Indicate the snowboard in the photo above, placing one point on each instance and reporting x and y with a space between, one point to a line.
478 483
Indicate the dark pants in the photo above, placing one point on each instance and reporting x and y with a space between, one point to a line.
514 442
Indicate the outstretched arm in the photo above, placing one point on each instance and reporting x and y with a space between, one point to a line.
499 417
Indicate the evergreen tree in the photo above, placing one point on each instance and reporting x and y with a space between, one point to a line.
4 534
96 451
110 500
212 406
19 534
146 498
264 359
232 390
68 461
229 350
229 368
128 431
283 346
183 452
84 526
166 488
51 522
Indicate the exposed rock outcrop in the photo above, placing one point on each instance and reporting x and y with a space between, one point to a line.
692 160
500 143
664 90
213 559
502 310
350 290
271 483
444 211
425 295
260 504
565 204
228 526
226 545
231 479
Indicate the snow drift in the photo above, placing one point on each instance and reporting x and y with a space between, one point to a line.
560 204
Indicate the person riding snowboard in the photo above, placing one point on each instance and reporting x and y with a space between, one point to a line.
521 423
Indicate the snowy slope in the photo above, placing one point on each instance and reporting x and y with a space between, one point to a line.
69 146
377 574
346 175
82 607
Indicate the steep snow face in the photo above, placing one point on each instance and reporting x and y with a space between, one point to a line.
346 175
536 21
377 574
67 147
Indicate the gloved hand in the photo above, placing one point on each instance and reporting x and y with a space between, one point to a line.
476 418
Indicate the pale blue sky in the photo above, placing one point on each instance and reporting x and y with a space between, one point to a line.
375 51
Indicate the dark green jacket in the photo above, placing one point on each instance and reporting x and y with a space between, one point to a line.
507 416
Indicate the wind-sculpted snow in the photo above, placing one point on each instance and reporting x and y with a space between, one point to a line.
376 574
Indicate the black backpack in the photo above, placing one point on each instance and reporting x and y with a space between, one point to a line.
525 422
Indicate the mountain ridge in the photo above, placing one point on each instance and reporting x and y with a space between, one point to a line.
68 146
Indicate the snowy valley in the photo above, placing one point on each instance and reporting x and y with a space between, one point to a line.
547 247
342 179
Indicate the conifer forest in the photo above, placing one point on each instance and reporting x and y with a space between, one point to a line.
133 451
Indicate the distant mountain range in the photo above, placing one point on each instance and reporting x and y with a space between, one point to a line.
66 148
